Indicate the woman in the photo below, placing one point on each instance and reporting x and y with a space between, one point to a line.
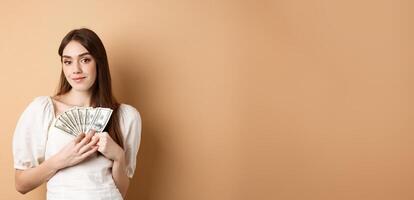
90 165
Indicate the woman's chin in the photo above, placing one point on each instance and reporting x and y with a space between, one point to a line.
81 89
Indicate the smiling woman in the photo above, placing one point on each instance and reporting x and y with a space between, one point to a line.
90 165
79 69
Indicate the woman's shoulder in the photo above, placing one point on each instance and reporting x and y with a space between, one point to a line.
40 102
39 108
129 112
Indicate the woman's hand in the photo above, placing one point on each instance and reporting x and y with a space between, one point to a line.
111 150
108 147
77 150
73 153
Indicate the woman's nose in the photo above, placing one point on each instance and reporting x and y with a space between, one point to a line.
77 68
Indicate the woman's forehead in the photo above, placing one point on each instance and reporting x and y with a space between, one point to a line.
74 49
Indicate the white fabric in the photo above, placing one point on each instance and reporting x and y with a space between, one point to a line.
36 139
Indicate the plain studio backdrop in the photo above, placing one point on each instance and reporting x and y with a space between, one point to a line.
283 99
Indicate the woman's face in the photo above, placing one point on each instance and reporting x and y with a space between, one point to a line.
78 66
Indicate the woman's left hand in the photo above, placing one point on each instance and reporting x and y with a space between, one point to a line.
108 147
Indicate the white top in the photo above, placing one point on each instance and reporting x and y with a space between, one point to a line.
36 139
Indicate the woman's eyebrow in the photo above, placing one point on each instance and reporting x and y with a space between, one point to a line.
82 54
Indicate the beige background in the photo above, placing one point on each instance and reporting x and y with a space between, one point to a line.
283 99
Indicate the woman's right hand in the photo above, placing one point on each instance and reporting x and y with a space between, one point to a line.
73 153
77 150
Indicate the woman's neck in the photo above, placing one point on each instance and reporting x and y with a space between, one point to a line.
78 98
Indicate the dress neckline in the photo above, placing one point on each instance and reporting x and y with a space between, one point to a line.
53 108
49 98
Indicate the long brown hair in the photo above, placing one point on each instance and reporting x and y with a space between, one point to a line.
102 88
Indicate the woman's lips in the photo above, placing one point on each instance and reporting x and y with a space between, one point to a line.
78 79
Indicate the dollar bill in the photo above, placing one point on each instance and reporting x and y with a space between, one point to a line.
62 126
79 120
81 114
75 117
101 119
64 117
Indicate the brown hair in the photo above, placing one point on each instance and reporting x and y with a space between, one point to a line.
102 89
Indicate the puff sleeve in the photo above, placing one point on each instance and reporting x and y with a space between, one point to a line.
130 125
30 135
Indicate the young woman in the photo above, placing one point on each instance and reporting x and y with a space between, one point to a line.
90 165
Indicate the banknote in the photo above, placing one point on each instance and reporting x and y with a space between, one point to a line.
100 120
79 120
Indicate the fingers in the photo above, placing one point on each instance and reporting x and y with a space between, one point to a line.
103 140
89 145
79 137
89 141
89 152
103 136
84 141
96 136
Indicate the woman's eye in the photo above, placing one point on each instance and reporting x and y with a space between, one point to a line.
86 60
66 62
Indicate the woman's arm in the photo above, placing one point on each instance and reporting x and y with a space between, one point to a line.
111 150
73 153
29 179
119 174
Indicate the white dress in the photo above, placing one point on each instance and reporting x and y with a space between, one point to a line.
36 139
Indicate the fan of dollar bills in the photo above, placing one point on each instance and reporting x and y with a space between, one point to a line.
79 120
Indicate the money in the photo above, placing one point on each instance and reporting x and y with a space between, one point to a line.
100 120
79 120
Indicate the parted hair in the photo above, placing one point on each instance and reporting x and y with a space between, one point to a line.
102 95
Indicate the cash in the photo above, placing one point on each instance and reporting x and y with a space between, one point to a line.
79 120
